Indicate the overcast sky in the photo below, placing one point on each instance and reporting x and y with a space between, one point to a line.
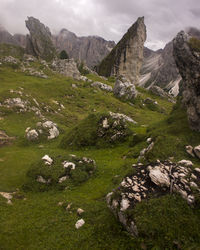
107 18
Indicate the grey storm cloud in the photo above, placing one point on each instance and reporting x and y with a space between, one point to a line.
107 18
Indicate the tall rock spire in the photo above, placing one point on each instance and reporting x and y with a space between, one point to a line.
126 57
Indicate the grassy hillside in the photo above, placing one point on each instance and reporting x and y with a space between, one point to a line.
35 221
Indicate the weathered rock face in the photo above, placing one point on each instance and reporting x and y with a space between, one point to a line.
157 179
124 89
66 67
91 49
39 42
159 69
187 58
126 57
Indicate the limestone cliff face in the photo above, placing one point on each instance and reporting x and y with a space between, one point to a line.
91 49
39 42
126 57
187 57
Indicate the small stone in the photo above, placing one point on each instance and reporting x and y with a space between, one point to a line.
189 150
193 184
124 204
47 159
9 202
190 199
149 140
185 163
80 211
60 203
197 170
62 179
69 164
197 151
79 223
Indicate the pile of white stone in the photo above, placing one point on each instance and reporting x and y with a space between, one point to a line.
156 179
48 127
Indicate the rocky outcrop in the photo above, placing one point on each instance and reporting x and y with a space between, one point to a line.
187 57
5 139
91 49
126 57
157 179
124 89
39 42
45 130
66 67
159 69
102 86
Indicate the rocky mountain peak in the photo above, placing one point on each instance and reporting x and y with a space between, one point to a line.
126 57
39 42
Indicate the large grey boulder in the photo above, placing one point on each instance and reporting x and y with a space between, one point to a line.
39 42
187 58
124 89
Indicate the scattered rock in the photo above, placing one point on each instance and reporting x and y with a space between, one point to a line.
80 211
197 151
124 89
149 181
32 135
70 165
185 163
47 128
5 139
41 179
47 160
122 117
79 223
66 67
189 150
102 86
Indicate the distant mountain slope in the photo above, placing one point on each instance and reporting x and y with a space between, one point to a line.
6 37
91 49
159 69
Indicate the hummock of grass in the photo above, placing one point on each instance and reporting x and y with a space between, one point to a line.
90 132
78 171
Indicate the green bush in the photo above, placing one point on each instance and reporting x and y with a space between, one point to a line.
63 55
82 70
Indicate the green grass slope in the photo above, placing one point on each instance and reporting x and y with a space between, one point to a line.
35 221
